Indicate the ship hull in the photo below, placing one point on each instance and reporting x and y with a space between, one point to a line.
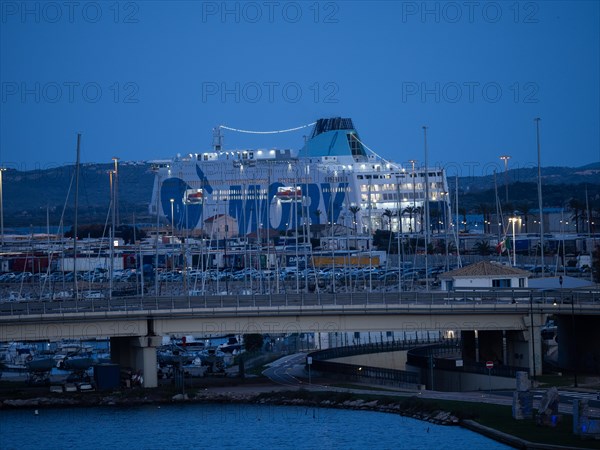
331 180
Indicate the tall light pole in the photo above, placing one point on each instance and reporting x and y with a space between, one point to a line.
414 185
2 169
537 128
172 217
426 207
514 242
116 188
505 158
574 337
112 234
172 200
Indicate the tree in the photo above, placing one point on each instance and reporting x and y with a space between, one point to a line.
435 217
484 209
382 239
354 210
92 231
128 233
410 210
253 342
578 210
318 213
483 247
463 213
389 214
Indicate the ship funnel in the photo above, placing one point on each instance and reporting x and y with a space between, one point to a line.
331 124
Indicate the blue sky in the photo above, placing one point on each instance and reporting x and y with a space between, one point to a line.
147 80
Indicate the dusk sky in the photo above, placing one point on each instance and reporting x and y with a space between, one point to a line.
147 80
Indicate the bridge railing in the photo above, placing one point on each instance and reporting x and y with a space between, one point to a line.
445 355
362 373
368 374
374 347
476 299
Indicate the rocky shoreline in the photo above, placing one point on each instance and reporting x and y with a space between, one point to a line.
409 407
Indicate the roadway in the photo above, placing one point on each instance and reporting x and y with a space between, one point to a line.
290 371
480 301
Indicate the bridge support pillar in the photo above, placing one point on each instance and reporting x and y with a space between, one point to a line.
534 341
504 348
139 353
578 338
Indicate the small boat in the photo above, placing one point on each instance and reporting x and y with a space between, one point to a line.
78 363
193 196
231 346
42 363
172 355
289 193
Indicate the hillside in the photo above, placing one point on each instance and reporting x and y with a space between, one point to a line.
27 195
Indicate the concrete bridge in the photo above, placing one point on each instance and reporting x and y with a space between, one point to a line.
499 322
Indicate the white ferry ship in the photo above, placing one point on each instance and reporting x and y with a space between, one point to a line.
333 178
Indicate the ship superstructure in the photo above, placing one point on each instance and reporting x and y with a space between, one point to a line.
332 179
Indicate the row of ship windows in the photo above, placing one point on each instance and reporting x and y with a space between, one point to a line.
403 187
420 175
402 175
389 197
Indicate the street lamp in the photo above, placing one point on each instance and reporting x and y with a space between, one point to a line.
112 233
116 188
574 337
172 217
413 161
2 169
172 200
514 242
505 158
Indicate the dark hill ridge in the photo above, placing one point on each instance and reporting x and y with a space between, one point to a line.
28 194
589 173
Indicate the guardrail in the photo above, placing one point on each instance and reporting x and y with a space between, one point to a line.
361 373
476 300
424 357
363 349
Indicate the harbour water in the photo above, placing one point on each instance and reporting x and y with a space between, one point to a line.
226 426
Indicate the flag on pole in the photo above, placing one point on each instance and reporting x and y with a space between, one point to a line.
504 245
501 247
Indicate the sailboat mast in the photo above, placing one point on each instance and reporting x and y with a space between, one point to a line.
497 207
457 242
589 245
75 219
539 188
111 267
